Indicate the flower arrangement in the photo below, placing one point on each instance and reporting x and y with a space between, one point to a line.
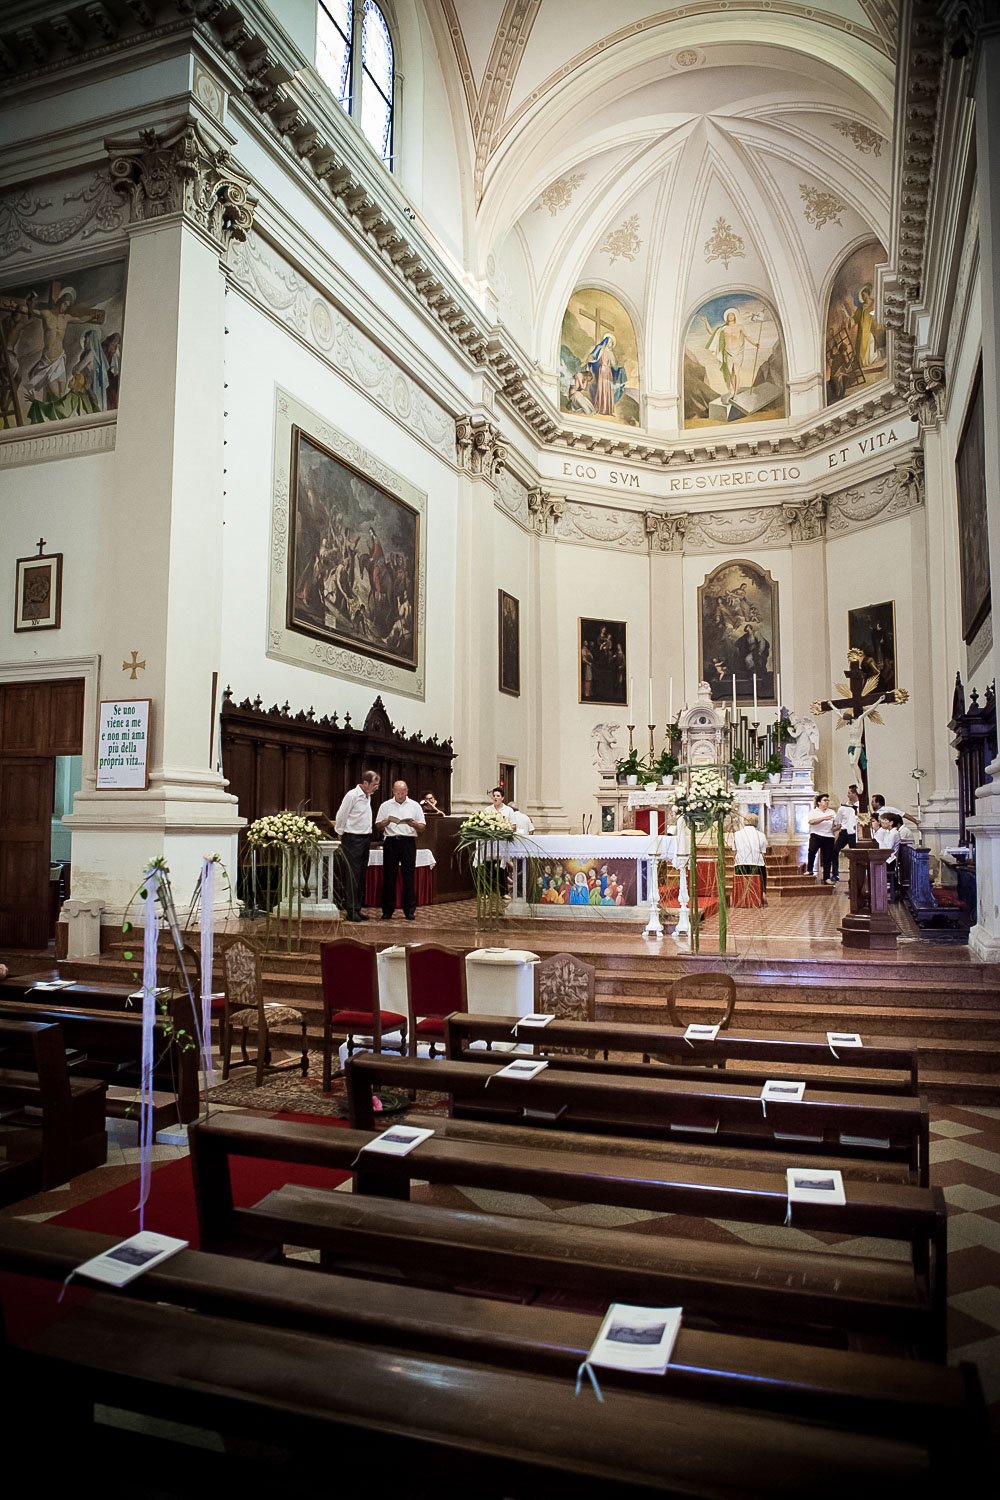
283 830
479 839
485 827
704 804
295 840
705 800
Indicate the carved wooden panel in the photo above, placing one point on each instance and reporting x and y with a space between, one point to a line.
274 759
41 718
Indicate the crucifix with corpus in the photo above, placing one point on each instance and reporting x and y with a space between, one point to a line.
860 702
868 923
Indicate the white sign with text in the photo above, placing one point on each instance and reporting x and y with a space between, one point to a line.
123 744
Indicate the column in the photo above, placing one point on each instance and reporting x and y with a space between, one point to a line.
545 807
941 630
480 458
164 517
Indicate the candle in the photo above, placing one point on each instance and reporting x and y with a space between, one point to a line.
779 693
734 697
630 682
670 710
755 697
650 719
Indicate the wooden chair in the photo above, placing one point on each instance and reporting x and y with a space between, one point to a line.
351 1002
565 987
435 986
246 1010
718 987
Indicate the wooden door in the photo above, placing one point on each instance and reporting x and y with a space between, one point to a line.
26 792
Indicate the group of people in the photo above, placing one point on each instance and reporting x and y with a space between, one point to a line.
832 830
399 819
594 886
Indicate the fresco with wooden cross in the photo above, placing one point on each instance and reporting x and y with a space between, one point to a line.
855 336
599 359
61 345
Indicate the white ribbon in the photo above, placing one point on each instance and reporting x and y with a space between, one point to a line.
151 933
207 918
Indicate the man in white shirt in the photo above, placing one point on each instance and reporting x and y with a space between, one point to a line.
847 817
354 825
399 820
521 821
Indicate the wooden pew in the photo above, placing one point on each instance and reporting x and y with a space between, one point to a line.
874 1393
903 1300
51 1125
831 1122
374 1411
102 1025
894 1061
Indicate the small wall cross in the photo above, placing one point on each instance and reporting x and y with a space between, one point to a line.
134 667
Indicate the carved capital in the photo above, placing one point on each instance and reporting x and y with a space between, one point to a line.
925 393
181 170
543 511
479 447
908 481
806 519
665 533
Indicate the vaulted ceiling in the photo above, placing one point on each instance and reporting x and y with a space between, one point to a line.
672 152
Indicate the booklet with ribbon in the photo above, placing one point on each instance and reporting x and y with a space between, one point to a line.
398 1140
636 1338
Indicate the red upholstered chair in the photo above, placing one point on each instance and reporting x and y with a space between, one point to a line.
350 1000
435 986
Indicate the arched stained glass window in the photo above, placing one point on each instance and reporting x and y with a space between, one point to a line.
355 59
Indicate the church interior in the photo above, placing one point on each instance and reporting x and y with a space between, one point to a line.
499 777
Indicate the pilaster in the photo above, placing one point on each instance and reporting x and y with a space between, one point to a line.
164 516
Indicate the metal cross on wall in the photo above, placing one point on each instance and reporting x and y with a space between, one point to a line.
860 702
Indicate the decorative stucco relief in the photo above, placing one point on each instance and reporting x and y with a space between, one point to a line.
736 528
272 283
512 497
57 440
76 209
601 526
892 494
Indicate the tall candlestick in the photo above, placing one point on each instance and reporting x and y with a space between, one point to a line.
734 696
670 711
755 696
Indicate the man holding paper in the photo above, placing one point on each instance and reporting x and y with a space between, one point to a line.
399 821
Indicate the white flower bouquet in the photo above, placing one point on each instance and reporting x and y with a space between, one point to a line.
486 827
284 830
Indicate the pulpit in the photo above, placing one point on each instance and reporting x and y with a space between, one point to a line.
869 923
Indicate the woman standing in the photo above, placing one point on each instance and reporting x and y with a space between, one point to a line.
821 840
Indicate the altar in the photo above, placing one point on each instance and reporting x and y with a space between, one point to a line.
586 877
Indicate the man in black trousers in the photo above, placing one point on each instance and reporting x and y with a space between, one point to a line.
354 825
400 819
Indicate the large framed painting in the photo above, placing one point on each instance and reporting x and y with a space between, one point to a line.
872 630
353 557
603 662
738 633
348 557
64 344
974 551
509 644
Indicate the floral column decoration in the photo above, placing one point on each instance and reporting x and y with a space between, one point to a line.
294 840
705 804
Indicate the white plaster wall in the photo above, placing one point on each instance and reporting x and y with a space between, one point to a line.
64 502
868 569
599 585
259 356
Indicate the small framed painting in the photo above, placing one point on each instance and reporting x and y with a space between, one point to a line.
603 662
38 592
509 644
872 629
